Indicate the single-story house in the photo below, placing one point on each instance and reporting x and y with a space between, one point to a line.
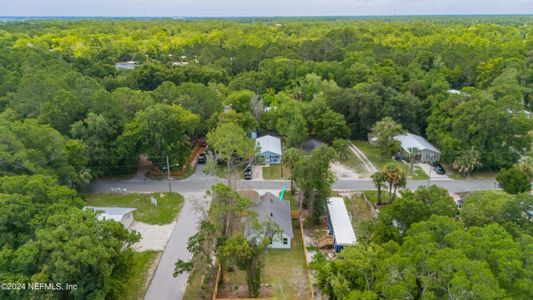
126 65
310 145
270 208
339 224
270 149
123 215
427 152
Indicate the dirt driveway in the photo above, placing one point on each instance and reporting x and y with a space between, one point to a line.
153 237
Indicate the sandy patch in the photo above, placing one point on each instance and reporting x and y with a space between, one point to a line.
153 237
343 172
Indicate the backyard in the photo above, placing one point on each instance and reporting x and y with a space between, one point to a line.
374 155
284 273
168 205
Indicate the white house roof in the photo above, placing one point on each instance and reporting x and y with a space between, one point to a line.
410 140
110 213
269 143
340 222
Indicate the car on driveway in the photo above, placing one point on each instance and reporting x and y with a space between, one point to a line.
439 169
202 158
248 174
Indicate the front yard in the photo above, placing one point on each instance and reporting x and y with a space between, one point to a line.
168 205
374 155
273 172
144 264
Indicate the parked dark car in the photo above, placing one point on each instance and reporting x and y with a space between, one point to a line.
248 166
248 175
202 158
439 168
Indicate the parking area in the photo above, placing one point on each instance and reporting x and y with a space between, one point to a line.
428 169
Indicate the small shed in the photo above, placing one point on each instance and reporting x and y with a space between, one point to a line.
270 149
427 152
340 225
123 215
270 208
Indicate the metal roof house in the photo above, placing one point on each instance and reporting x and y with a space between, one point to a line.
340 225
126 65
270 149
427 152
122 215
269 208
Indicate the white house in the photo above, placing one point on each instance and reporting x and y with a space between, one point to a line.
123 215
270 149
270 209
126 65
427 152
340 224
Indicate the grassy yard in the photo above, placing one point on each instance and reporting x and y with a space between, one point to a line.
274 172
137 284
372 196
284 269
374 155
358 209
168 205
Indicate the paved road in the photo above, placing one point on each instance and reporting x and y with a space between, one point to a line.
200 185
163 285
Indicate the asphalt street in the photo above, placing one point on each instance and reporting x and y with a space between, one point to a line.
163 285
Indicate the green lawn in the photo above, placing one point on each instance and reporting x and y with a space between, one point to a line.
274 172
167 209
372 195
137 284
284 269
358 209
374 155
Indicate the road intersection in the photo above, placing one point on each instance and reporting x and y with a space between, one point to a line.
163 285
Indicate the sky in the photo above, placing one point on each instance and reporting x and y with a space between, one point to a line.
235 8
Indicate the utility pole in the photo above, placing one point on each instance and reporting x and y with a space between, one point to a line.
429 176
168 177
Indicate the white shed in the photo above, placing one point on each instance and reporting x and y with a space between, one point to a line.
123 215
340 224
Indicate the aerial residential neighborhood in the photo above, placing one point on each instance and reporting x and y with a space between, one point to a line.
293 149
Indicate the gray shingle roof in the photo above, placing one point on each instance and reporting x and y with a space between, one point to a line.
270 207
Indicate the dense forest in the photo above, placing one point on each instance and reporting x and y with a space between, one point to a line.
68 114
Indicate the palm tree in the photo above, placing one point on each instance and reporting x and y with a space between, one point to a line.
395 177
379 182
467 162
290 158
413 152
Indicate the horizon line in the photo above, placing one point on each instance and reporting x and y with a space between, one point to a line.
268 16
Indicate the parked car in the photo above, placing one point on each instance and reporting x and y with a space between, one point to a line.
202 158
248 166
248 175
439 168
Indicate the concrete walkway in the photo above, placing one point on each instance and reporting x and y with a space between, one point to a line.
371 169
164 286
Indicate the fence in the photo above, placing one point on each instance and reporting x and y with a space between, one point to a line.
373 210
294 215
